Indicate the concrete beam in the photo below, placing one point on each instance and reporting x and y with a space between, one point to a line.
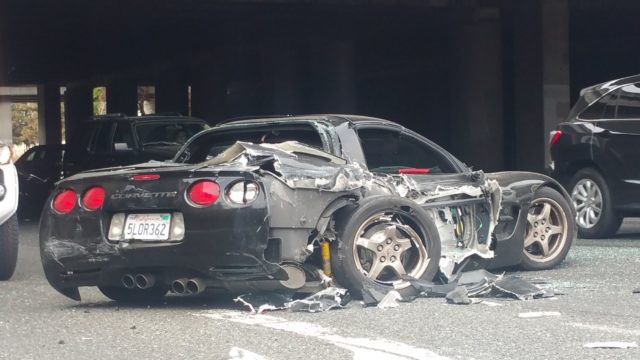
78 107
172 93
49 115
122 96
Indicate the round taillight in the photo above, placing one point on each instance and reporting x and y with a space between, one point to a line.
203 192
93 198
65 201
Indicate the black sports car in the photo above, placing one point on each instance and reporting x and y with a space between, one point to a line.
283 203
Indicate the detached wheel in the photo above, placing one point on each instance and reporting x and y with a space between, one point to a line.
596 216
138 296
381 241
550 230
8 247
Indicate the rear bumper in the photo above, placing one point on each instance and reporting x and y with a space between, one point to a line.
221 245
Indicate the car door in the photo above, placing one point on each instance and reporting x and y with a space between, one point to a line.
616 146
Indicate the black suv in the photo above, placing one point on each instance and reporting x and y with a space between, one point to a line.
104 141
596 155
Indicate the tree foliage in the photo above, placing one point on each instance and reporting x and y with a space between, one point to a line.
25 123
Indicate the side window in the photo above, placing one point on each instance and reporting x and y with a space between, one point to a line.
102 140
603 108
123 137
629 102
389 151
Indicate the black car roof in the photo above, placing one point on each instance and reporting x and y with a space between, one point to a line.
334 119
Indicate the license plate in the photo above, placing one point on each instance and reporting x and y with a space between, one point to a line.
147 226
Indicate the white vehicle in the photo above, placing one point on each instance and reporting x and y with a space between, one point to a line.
8 217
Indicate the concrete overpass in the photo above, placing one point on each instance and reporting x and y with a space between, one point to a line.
487 79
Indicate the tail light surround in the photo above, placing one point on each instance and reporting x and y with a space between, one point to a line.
203 193
64 201
554 136
242 193
93 198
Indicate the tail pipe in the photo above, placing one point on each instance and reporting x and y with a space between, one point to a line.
128 281
179 286
196 286
145 281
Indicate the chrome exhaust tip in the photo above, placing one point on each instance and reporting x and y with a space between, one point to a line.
145 281
196 286
128 281
179 286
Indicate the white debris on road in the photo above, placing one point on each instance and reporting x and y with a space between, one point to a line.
537 314
611 345
237 353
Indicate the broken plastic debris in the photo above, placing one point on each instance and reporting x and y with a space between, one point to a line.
261 302
480 283
537 314
458 296
611 345
390 300
636 291
371 296
324 300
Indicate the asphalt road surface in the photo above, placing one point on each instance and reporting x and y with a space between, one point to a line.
595 303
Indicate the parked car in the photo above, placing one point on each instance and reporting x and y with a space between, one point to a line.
596 155
8 218
38 170
107 140
265 204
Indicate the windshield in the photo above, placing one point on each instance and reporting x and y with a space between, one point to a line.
208 145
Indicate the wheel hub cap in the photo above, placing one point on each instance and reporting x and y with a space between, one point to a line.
587 200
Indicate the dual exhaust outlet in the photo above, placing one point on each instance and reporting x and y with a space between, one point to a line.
182 286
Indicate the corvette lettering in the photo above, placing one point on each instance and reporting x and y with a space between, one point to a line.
167 194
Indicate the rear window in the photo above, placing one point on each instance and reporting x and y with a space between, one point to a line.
166 133
209 145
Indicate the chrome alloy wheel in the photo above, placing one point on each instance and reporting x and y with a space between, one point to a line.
587 200
547 230
386 249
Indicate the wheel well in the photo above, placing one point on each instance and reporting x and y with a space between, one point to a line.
575 166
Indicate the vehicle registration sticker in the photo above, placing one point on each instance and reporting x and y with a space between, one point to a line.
147 226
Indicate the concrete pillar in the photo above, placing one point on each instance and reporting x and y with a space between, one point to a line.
476 88
209 91
555 65
122 96
6 131
333 77
78 107
536 42
49 117
280 67
172 93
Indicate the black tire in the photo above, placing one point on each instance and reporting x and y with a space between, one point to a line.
134 296
557 230
609 220
8 247
405 223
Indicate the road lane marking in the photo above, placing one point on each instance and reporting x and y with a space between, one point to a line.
362 348
605 328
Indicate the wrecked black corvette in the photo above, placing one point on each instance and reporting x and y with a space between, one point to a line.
286 204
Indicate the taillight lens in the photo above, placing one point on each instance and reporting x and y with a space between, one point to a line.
203 192
555 135
93 198
65 201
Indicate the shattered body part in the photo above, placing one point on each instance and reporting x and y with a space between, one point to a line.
244 206
324 300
